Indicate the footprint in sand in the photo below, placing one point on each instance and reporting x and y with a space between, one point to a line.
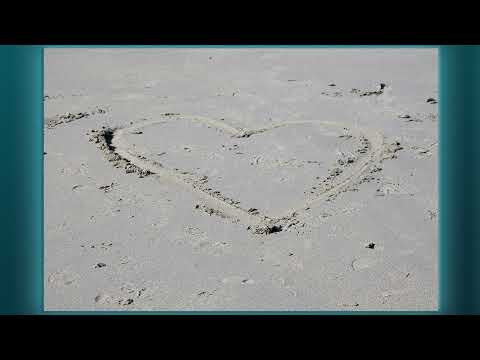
128 296
200 242
106 245
63 278
391 187
103 298
362 263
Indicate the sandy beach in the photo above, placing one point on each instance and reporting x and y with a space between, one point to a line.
241 179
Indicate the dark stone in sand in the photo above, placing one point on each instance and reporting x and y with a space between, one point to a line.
273 229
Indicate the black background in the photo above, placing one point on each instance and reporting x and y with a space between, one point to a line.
232 23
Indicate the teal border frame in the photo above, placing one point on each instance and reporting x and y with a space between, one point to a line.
21 183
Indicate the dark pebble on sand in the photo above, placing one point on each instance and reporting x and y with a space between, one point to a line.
100 265
370 246
274 229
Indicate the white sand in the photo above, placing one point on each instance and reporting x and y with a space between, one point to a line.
182 238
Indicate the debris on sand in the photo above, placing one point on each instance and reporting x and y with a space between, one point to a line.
431 101
268 229
248 281
247 133
370 245
99 111
69 117
244 134
125 302
408 118
100 265
210 211
256 160
375 169
396 146
380 88
392 149
332 84
107 188
334 94
351 305
346 161
414 120
432 214
370 93
335 172
253 211
51 97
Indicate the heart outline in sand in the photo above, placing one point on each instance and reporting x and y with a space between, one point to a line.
224 207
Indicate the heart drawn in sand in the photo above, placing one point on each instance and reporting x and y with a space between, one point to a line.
251 176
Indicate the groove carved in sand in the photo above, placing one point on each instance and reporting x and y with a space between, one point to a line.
366 160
